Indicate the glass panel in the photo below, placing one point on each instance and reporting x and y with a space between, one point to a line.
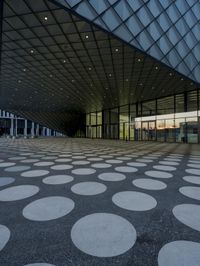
192 101
170 130
192 129
99 118
179 103
180 130
87 119
114 117
148 108
160 130
93 119
165 105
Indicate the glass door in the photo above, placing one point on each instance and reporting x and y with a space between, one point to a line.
148 130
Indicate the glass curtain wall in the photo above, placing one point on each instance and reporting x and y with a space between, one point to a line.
169 119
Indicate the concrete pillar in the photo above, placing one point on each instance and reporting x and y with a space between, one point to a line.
25 128
16 126
48 132
43 131
11 127
33 130
37 130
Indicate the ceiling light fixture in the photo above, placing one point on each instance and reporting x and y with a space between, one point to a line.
46 18
31 51
156 67
86 37
139 60
89 68
116 50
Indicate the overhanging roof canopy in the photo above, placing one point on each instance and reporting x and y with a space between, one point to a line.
55 64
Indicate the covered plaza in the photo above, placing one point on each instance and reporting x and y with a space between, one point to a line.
115 86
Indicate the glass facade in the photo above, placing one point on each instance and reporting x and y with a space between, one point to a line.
168 119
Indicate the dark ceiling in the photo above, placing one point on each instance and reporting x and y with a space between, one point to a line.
56 65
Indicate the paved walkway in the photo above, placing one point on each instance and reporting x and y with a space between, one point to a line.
99 202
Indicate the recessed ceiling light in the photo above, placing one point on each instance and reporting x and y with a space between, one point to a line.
89 68
153 88
32 51
86 37
126 79
170 74
24 69
64 61
156 67
182 79
110 75
50 75
19 81
139 60
73 80
116 50
191 83
46 18
106 88
61 89
141 84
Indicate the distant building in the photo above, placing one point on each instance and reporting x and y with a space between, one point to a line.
12 125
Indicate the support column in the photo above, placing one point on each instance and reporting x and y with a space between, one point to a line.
25 128
16 126
43 131
33 130
11 127
37 130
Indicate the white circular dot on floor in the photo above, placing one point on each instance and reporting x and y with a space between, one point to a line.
83 171
164 167
88 188
151 184
61 167
191 192
35 173
18 168
43 163
4 236
134 201
39 264
6 181
126 169
179 253
80 162
103 235
63 160
101 165
193 171
188 214
57 179
78 157
17 158
49 158
114 161
172 159
64 155
95 159
30 161
144 160
158 174
192 179
112 177
6 164
136 164
194 161
193 165
124 158
168 163
18 192
48 208
106 156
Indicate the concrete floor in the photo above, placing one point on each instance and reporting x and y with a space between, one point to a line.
99 202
